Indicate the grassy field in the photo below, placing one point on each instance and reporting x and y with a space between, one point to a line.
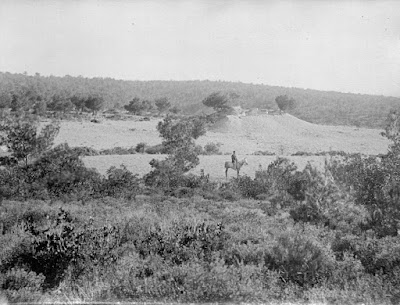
282 134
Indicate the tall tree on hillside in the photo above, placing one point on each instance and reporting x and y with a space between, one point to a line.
138 106
94 103
285 103
218 101
162 104
135 106
147 105
24 98
60 102
79 102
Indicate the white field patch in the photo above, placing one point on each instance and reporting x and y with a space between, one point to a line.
280 134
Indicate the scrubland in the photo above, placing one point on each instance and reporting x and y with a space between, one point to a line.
287 235
286 232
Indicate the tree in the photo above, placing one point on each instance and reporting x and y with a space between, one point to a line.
24 98
284 102
162 104
60 102
147 105
135 106
94 103
218 101
179 136
23 139
79 102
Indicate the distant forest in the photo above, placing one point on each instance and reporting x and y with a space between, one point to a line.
321 107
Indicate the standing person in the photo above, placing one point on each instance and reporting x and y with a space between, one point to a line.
234 159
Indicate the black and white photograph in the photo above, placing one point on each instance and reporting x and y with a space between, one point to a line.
199 152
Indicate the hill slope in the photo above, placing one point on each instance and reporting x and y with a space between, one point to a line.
286 134
322 107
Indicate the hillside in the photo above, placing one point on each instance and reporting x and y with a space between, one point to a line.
321 107
281 134
286 134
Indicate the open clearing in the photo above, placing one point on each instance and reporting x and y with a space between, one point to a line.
281 134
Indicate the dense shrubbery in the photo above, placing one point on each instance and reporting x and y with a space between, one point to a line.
286 235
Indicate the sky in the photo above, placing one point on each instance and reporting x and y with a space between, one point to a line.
347 46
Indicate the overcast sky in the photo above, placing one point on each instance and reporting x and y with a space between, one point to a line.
348 46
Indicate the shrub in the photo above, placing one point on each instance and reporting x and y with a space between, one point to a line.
156 149
85 151
302 153
140 147
300 258
164 175
118 151
182 242
212 149
229 195
120 183
251 188
374 184
278 173
20 285
263 153
48 251
64 173
182 192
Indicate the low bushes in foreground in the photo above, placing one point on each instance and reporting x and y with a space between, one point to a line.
187 250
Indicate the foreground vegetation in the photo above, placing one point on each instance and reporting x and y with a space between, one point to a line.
71 234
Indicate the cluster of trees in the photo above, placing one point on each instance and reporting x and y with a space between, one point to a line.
322 107
140 106
27 99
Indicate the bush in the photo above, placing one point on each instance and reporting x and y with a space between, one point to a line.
85 151
118 151
251 188
140 147
63 172
183 192
20 285
302 153
179 242
374 184
120 183
156 149
277 175
263 153
229 195
212 149
300 258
